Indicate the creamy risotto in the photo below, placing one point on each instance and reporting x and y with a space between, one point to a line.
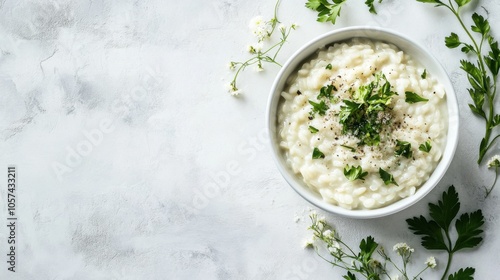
363 124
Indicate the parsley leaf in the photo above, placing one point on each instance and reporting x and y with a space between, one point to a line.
319 108
327 11
317 154
412 97
447 208
426 147
452 41
463 274
424 74
367 246
371 6
462 2
469 230
350 276
313 130
403 149
432 235
329 66
481 26
326 92
353 173
387 177
348 147
437 2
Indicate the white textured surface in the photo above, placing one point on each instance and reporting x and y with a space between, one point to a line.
147 74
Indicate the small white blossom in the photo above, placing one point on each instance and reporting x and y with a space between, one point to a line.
294 26
335 248
431 262
309 242
233 90
494 162
322 219
260 28
403 249
395 277
282 27
259 68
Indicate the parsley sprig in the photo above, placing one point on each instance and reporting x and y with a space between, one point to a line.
483 73
260 54
436 233
329 10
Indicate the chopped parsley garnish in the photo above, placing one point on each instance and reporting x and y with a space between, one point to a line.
424 75
387 177
412 97
368 112
317 154
313 130
319 108
354 172
348 147
329 66
426 147
326 91
403 148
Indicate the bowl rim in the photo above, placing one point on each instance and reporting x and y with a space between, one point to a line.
329 38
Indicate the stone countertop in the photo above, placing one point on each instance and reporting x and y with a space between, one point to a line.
133 162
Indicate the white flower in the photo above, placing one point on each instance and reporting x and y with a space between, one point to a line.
494 162
233 90
431 262
259 68
322 219
260 28
309 242
335 248
255 48
282 27
395 277
327 232
256 23
295 25
403 249
313 213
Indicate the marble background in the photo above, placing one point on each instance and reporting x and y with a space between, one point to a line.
135 163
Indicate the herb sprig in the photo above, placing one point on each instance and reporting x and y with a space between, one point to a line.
329 10
263 30
483 73
362 262
436 233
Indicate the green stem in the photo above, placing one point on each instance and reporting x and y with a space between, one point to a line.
494 183
422 271
450 257
490 91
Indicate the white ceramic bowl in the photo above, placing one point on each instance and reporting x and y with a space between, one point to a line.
409 47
